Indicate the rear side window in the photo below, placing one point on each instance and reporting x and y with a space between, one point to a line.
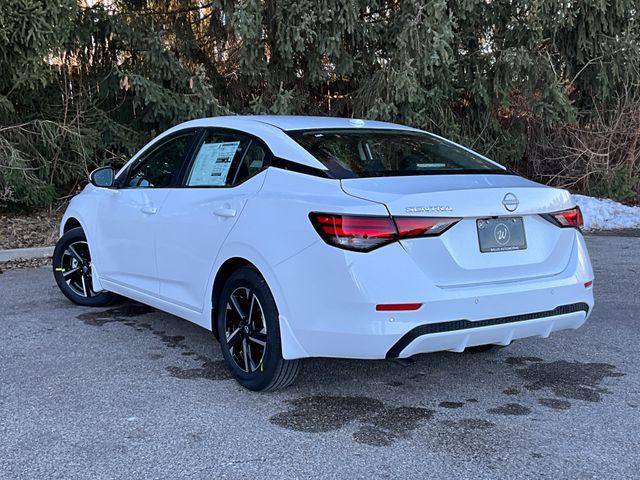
253 161
352 153
158 168
214 163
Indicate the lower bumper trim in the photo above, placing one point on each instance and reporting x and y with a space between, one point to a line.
455 325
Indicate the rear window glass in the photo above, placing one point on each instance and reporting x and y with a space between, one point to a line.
352 153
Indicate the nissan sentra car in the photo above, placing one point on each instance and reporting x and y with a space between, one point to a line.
292 237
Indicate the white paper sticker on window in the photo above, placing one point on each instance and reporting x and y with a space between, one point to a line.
211 166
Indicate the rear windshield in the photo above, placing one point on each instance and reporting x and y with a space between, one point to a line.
352 153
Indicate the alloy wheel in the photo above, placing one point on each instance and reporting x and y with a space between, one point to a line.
76 268
245 330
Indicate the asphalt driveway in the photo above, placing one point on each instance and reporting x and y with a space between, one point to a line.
130 392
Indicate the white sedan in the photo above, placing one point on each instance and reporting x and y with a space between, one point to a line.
293 237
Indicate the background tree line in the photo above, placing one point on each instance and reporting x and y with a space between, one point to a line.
548 87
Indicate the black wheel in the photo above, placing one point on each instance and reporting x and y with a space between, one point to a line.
249 333
72 271
480 348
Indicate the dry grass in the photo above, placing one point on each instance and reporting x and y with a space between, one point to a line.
35 229
19 264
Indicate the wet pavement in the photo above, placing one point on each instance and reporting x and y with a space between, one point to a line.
131 392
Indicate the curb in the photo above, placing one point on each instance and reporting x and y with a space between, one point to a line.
25 253
618 232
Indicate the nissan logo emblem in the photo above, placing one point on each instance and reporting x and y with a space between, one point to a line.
510 202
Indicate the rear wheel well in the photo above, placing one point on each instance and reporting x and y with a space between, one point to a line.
224 272
71 223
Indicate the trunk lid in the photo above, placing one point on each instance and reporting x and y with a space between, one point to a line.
464 195
453 259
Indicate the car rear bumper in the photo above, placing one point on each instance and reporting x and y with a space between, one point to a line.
337 317
455 336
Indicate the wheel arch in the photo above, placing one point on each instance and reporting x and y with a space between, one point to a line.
244 255
73 218
70 223
224 272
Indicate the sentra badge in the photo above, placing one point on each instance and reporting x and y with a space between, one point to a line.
429 208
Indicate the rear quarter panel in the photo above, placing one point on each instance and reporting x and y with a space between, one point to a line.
275 226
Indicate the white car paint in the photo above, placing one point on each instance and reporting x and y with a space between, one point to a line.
164 247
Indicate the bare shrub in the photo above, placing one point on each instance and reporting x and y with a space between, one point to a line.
598 154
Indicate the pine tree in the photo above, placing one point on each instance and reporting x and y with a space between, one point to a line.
524 82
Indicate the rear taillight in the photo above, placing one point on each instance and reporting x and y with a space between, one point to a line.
354 232
412 227
567 218
364 233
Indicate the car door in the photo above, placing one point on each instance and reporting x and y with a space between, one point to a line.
226 169
126 231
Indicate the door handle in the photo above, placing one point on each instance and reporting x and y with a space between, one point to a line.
148 209
225 212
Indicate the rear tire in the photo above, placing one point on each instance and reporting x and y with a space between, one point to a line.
72 271
249 333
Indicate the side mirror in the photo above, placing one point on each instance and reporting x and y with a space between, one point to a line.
103 177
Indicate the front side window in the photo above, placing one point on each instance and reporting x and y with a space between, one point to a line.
158 168
214 164
352 153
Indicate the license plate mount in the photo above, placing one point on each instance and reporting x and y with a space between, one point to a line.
501 234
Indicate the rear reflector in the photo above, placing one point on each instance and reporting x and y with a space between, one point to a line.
388 307
588 284
568 218
367 232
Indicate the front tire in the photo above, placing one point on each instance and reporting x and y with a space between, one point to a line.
249 332
72 271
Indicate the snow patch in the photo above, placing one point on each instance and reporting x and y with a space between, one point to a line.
606 214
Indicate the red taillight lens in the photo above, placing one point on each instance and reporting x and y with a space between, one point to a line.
354 232
364 232
412 227
568 218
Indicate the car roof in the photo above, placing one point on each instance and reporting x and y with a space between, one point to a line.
298 122
272 130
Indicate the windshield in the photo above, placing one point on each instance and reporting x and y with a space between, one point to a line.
352 153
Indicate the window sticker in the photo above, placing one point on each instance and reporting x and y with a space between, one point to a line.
211 166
